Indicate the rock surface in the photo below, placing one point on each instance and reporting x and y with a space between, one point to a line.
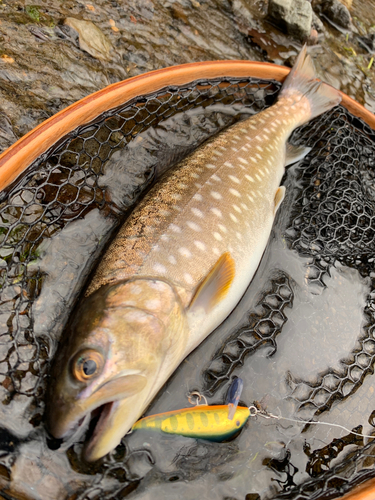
334 11
293 16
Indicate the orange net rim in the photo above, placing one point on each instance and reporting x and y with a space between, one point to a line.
21 154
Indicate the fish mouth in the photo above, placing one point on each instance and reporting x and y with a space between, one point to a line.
69 419
99 420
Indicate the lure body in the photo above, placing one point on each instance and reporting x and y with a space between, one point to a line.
199 422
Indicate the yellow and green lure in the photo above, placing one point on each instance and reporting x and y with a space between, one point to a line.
200 422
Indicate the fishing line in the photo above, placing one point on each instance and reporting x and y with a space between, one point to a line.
254 411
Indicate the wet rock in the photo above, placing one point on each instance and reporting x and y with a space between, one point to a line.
292 16
7 135
317 23
334 11
91 39
368 42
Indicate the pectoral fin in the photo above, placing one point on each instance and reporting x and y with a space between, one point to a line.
295 153
215 285
279 196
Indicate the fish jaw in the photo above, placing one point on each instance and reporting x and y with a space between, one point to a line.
122 326
114 422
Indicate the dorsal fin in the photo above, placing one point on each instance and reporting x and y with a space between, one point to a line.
215 285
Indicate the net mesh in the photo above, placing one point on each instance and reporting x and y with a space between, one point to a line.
333 219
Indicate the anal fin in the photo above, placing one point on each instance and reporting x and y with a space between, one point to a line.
215 285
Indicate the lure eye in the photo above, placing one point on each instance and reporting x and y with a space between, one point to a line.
87 365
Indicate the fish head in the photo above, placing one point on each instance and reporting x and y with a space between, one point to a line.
124 342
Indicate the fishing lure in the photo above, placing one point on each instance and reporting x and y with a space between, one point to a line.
212 422
200 422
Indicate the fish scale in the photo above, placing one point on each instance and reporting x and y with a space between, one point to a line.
178 267
219 199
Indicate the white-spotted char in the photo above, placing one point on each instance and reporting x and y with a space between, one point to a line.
191 247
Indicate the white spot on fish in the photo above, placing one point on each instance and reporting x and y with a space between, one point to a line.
234 179
257 176
259 148
188 279
262 173
181 185
228 164
197 212
172 260
176 196
249 178
216 195
260 194
217 212
194 226
175 228
184 252
236 137
165 213
266 130
252 126
164 237
265 137
250 198
200 245
216 251
159 268
233 217
210 165
242 160
194 175
239 236
237 209
258 156
153 304
234 192
218 236
215 178
245 207
234 149
222 228
135 289
217 153
266 169
176 207
198 197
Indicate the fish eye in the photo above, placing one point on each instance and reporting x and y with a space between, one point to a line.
87 364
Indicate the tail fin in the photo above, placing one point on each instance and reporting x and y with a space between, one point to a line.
302 77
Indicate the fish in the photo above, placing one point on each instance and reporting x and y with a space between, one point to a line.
177 268
200 422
